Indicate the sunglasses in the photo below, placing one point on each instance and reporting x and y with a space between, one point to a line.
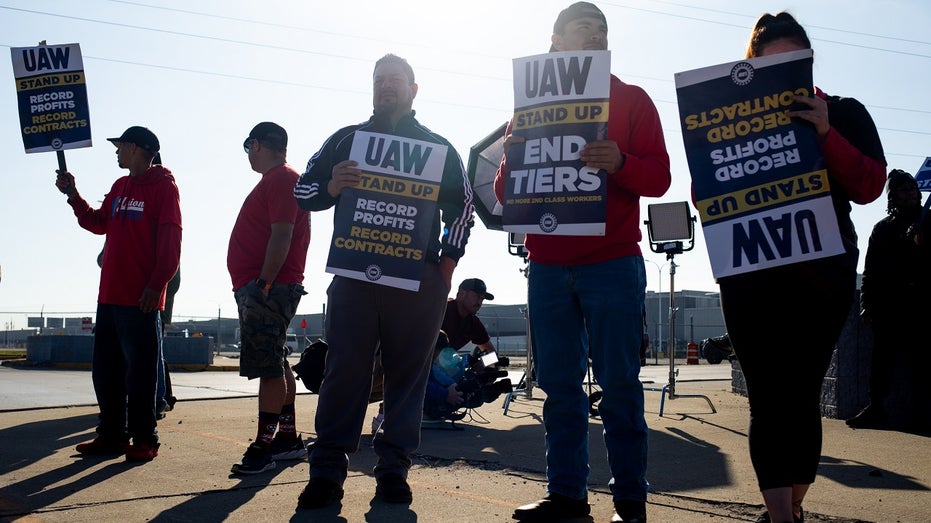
246 145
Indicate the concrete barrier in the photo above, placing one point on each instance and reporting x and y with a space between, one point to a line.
80 349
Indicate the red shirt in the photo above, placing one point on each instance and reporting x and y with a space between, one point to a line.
271 201
141 217
462 330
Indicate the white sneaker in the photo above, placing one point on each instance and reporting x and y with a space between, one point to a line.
376 422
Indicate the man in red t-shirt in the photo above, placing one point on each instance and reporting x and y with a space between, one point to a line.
267 252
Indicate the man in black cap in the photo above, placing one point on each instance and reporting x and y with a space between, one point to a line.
141 218
593 288
460 323
894 300
266 256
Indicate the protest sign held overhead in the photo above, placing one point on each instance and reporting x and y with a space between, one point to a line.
923 176
52 97
560 104
382 228
758 176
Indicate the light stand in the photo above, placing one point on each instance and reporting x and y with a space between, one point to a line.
525 385
669 225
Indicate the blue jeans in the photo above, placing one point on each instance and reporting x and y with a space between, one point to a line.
603 304
125 371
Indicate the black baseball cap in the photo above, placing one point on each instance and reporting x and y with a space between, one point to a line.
140 136
477 286
272 134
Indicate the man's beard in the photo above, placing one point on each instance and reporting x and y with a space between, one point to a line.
387 108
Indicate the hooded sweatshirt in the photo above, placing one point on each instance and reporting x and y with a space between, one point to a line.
141 217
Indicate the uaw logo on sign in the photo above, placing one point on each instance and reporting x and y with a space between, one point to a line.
561 103
548 222
742 73
373 272
52 97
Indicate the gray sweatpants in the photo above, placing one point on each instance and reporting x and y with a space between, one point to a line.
362 316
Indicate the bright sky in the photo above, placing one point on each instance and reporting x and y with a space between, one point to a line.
201 74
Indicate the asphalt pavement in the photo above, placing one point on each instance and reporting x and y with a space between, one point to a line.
699 469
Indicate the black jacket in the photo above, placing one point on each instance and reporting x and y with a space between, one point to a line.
454 204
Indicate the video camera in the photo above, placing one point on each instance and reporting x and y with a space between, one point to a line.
480 383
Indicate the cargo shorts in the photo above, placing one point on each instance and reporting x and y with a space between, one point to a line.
263 327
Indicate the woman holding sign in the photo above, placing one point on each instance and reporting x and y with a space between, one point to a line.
813 297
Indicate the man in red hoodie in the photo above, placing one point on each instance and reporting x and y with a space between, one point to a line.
141 218
593 288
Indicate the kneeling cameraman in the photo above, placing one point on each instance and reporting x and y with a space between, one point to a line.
462 382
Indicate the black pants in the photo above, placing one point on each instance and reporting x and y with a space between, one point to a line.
784 324
125 372
363 318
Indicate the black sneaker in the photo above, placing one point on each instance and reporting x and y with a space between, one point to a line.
283 449
868 418
553 507
256 460
319 493
393 488
629 511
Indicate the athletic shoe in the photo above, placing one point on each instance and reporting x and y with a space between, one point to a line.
141 452
319 493
868 418
553 507
256 460
284 449
629 511
101 447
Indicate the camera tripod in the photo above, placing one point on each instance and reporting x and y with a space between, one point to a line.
524 386
673 372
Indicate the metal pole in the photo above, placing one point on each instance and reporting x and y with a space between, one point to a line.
659 311
659 315
527 390
672 326
529 374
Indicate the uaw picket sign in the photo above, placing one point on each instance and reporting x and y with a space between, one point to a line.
560 104
52 97
923 176
382 228
758 176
